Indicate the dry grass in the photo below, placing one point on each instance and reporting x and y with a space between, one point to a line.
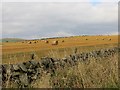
69 42
100 73
19 52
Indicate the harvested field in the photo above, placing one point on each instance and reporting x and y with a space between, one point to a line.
15 50
74 63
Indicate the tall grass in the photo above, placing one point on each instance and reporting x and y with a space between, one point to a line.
55 53
96 73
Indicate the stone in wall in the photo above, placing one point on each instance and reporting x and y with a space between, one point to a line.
25 73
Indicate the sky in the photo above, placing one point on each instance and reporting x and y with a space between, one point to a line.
33 20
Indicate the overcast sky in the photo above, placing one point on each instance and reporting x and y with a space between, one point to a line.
38 19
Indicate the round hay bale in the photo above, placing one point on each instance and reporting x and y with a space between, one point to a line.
63 41
30 42
109 39
46 41
55 43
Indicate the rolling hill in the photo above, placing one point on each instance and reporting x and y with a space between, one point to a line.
11 40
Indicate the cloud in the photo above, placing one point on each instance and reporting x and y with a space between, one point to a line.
32 20
60 34
114 33
60 1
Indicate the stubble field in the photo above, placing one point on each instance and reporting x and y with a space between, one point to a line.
14 52
97 71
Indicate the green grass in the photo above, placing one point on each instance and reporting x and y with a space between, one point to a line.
11 40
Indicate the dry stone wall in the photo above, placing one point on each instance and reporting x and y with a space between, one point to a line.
23 74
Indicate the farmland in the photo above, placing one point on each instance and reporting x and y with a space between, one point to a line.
78 62
14 52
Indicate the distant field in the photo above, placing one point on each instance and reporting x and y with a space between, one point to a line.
12 51
10 40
